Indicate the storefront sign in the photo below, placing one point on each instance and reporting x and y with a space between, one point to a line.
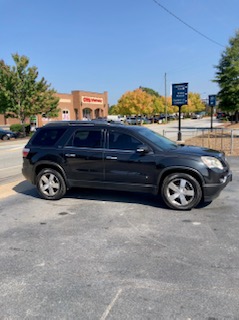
92 100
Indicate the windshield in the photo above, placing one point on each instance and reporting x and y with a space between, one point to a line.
157 139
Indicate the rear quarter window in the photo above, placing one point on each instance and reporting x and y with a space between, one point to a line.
47 137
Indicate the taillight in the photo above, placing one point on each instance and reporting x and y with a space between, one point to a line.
25 152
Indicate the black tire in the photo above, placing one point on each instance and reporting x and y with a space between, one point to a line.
50 184
5 138
181 191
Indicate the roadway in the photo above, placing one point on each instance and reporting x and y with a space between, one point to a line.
11 160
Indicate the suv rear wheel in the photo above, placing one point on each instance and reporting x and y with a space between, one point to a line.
50 184
181 191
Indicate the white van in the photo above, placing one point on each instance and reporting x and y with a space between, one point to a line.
115 118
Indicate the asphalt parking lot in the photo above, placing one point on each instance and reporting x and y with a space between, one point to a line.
107 255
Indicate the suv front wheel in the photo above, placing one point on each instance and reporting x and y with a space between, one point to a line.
50 184
181 191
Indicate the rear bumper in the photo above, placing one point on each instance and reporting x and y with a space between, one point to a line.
212 191
27 171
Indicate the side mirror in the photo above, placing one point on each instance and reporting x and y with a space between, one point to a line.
142 149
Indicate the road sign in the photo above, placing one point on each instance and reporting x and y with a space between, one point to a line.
179 98
212 103
212 100
179 94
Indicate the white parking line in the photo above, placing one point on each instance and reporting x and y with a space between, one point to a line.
16 148
13 167
110 306
7 149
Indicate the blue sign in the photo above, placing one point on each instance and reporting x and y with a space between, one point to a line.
212 100
179 94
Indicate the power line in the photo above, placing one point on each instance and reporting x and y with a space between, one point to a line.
186 24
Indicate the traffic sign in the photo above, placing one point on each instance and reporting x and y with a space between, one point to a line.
179 94
212 100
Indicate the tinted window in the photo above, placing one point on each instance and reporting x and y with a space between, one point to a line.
156 138
86 139
47 137
118 140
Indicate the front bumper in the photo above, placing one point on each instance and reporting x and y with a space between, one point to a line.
212 191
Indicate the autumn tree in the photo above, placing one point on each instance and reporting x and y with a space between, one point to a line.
22 95
170 108
227 77
158 105
195 103
158 102
135 102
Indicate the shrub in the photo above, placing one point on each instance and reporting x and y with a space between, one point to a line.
19 128
16 127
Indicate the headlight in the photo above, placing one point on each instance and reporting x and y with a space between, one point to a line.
212 162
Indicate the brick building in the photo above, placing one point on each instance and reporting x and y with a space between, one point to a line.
77 105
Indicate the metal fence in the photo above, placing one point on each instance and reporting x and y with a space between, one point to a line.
221 139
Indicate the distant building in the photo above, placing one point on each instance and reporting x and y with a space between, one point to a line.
77 105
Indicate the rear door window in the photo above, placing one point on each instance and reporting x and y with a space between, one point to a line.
86 138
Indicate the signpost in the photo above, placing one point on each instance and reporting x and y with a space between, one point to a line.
179 98
212 103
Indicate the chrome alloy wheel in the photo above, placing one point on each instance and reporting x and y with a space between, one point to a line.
180 192
49 184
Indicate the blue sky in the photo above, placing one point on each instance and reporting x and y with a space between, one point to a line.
119 45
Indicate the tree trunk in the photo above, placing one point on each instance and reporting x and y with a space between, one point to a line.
236 117
23 128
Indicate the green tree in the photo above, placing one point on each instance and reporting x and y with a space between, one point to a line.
150 91
22 95
113 110
227 77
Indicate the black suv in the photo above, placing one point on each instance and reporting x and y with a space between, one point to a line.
97 154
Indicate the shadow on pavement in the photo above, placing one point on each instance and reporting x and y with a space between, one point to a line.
117 196
26 188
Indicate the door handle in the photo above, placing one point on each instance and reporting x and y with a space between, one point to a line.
111 158
70 155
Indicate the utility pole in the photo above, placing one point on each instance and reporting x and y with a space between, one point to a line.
165 86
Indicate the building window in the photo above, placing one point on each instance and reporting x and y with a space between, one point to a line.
87 113
65 115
